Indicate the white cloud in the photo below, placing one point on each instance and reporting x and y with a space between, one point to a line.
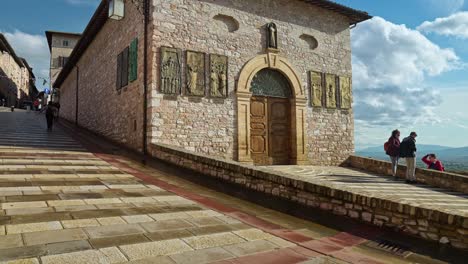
390 65
443 7
34 49
453 25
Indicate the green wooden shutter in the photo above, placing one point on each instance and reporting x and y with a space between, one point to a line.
133 61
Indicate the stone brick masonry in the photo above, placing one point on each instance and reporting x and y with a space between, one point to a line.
103 109
209 125
431 224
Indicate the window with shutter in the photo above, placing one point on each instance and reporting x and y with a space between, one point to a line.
55 62
124 74
133 61
118 82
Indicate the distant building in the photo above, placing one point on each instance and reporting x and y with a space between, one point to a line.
16 77
61 45
260 82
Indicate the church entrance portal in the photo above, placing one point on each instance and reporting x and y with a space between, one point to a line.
270 122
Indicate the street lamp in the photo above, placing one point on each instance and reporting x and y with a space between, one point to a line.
116 9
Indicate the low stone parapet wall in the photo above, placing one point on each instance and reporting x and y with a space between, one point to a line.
451 181
429 224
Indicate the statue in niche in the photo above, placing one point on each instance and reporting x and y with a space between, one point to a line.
170 70
214 84
218 76
345 88
331 90
317 88
195 81
272 36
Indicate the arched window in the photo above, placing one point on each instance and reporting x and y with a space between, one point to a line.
268 82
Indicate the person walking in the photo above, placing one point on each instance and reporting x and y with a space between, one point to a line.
433 163
392 149
408 151
49 113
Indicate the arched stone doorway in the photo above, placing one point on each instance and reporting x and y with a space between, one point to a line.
270 102
270 118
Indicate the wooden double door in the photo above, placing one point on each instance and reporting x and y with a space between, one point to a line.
270 130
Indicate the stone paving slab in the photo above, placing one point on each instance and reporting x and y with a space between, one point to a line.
62 204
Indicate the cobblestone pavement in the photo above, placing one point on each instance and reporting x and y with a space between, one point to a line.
381 186
61 203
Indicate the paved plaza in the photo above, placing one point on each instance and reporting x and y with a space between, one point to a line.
61 203
381 186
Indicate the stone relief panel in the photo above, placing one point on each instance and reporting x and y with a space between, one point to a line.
316 85
330 82
218 75
195 73
345 91
170 70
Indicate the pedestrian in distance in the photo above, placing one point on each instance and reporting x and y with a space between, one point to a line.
392 149
49 113
408 151
433 163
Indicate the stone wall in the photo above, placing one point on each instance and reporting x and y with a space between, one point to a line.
57 50
103 109
68 97
16 82
451 181
426 223
209 125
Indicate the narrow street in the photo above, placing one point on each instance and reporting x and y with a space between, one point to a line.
61 203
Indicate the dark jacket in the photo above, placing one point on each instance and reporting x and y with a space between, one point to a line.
394 147
437 165
408 148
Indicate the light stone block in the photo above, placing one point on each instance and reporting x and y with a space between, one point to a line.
114 220
65 203
154 249
33 227
213 240
22 261
6 206
253 234
133 219
87 256
79 223
103 201
113 254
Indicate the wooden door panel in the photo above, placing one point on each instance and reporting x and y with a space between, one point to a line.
279 128
259 130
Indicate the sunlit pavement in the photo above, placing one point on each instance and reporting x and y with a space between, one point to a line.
62 203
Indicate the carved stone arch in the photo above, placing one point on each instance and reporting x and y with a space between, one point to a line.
272 61
298 106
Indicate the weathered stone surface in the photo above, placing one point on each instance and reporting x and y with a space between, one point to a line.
10 241
47 237
208 255
33 227
114 230
117 240
153 249
214 240
251 247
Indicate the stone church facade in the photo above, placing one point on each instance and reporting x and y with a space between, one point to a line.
262 82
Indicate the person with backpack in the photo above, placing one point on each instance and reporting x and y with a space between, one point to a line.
433 163
408 151
49 113
392 149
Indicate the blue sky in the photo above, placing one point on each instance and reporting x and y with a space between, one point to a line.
409 62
